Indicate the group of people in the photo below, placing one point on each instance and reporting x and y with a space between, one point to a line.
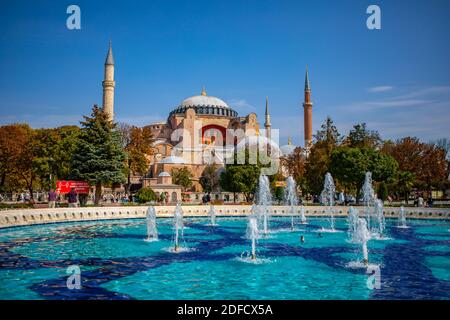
419 202
116 198
72 198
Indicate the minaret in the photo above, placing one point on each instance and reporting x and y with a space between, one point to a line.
307 114
267 122
109 84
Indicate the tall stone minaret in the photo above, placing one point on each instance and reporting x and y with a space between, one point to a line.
108 85
267 121
307 114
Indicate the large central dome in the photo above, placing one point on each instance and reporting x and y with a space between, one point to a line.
207 105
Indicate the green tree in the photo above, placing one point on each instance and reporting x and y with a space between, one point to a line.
328 137
241 175
98 157
66 144
382 191
404 183
277 192
349 165
146 195
241 178
183 177
361 137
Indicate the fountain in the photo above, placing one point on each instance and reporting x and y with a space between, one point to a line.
353 216
252 233
152 231
178 226
302 216
362 235
264 200
290 197
368 197
380 217
402 218
327 196
212 215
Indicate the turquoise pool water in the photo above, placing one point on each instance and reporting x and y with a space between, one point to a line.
116 262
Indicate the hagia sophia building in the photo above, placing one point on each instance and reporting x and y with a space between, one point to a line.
202 130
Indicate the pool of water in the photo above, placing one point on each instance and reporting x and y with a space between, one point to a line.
116 263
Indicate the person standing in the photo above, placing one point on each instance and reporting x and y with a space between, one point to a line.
52 198
73 198
420 201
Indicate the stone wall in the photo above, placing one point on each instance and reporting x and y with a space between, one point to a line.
12 218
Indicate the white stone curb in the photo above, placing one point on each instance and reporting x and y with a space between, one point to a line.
25 217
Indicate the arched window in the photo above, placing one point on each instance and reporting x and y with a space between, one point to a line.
174 197
213 134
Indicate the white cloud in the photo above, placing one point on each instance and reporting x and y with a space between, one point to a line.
241 104
388 103
416 111
380 89
426 91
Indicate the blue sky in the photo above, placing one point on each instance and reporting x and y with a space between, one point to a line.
396 79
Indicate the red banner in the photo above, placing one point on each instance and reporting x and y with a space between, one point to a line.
65 186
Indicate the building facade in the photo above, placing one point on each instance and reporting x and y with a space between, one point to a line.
202 130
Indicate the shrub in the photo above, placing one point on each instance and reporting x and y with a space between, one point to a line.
382 191
146 195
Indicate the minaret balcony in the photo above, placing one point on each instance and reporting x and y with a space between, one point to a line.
109 83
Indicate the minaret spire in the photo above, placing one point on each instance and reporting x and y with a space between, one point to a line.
267 124
109 84
307 87
109 55
307 114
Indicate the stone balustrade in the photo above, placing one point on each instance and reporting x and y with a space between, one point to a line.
14 218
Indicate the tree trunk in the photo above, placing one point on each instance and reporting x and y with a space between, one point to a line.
127 191
98 193
30 188
2 183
